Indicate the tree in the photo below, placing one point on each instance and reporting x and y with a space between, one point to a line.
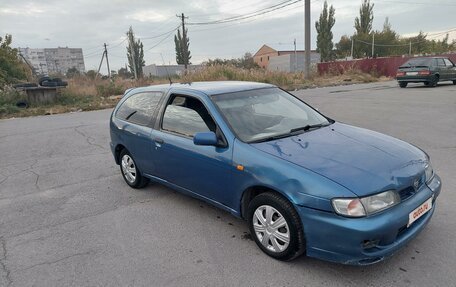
91 74
135 54
363 23
325 36
182 44
12 68
124 73
72 72
388 42
418 43
245 62
343 48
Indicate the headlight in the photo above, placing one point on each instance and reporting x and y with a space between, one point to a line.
358 207
429 172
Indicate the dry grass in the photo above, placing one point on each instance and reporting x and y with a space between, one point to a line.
288 81
83 94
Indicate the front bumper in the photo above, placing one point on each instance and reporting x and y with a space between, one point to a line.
340 239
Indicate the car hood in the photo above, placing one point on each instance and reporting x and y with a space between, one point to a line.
361 160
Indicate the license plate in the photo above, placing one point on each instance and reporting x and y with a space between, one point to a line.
412 73
419 211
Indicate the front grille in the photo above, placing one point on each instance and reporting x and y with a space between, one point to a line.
406 193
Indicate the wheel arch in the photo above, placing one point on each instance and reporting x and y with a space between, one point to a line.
119 148
252 191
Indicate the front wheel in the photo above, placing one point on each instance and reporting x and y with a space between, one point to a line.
276 226
433 81
403 84
130 172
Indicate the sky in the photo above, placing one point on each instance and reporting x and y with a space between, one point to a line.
88 24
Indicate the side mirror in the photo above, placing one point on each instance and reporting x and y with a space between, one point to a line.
206 138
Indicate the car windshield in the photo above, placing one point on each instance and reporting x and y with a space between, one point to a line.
266 114
417 62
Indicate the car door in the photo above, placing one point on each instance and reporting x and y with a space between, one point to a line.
204 170
451 69
441 67
134 122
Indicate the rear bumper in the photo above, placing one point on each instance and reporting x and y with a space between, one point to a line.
415 79
339 239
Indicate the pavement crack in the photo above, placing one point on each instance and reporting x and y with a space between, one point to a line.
29 169
58 260
37 179
3 266
90 140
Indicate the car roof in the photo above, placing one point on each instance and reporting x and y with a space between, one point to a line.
211 88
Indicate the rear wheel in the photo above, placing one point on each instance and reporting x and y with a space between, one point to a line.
403 84
276 226
130 172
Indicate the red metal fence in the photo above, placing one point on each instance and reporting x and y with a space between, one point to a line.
381 66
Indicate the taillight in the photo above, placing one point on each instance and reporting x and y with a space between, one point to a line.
424 73
400 74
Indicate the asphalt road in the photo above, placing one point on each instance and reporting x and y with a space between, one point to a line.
68 219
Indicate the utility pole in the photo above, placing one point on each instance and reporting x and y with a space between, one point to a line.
410 48
351 53
373 43
307 37
107 60
101 62
295 57
184 48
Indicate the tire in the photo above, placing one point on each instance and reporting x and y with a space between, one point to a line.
272 206
49 84
433 82
22 104
132 176
403 84
454 82
43 79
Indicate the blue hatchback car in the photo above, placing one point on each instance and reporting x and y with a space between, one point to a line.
304 182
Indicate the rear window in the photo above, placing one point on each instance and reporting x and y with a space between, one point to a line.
418 62
139 108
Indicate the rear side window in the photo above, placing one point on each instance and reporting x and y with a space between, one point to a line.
440 63
448 63
139 108
187 116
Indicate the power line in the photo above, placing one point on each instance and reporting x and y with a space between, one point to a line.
157 36
249 15
412 43
418 3
244 22
163 39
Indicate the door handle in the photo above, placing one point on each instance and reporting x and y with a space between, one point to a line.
159 141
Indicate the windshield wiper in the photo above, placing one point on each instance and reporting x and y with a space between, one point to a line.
290 133
308 127
271 138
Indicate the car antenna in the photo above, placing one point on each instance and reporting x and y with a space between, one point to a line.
169 77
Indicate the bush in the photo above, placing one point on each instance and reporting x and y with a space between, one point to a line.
106 90
8 100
